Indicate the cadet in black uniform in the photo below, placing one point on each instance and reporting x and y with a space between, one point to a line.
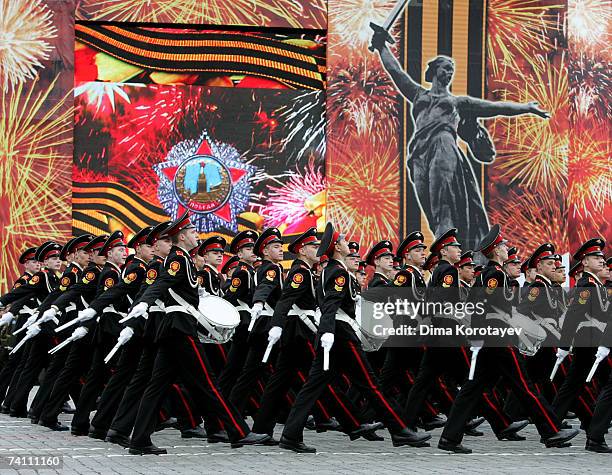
269 285
337 297
240 294
180 352
491 288
78 296
583 327
381 258
512 267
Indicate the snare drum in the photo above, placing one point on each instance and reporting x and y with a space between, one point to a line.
218 320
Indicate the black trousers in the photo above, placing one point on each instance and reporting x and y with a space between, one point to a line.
602 416
236 356
127 363
183 356
77 363
252 372
294 360
573 393
7 373
346 356
97 376
37 360
490 364
13 386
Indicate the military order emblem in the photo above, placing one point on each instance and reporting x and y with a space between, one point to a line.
174 267
207 178
271 274
583 297
151 276
108 283
533 293
34 280
89 277
131 277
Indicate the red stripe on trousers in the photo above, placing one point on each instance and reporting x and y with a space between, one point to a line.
518 368
319 404
212 386
495 408
184 401
374 387
586 406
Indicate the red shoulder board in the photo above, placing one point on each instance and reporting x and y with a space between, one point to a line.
409 269
75 270
244 268
141 265
180 253
592 280
206 269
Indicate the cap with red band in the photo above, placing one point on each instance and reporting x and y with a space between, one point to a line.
243 239
157 232
114 240
231 263
449 238
75 244
467 259
513 257
269 236
493 239
308 237
96 243
140 237
544 252
431 261
328 241
28 255
413 240
593 247
180 224
380 249
354 248
47 250
213 243
362 267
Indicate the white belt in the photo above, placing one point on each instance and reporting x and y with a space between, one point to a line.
267 310
185 307
70 308
305 316
342 316
242 306
550 325
158 307
130 300
592 323
111 309
85 304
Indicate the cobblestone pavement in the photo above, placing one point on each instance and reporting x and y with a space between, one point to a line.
82 455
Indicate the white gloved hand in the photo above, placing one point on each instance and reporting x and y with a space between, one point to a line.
327 340
126 334
476 345
274 334
48 315
139 310
602 352
32 331
561 353
202 292
87 314
256 310
30 321
79 333
6 319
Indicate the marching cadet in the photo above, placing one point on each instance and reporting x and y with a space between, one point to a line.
179 350
529 272
352 260
74 253
477 271
583 327
121 296
293 325
512 268
24 301
78 296
430 264
491 288
268 288
105 330
381 258
30 267
240 295
337 300
575 273
466 266
602 415
361 275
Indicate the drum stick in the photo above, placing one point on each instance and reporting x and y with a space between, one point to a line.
556 367
267 353
473 363
112 352
17 332
64 343
325 359
19 345
74 321
593 369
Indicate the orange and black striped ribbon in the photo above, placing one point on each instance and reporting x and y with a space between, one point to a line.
210 52
454 28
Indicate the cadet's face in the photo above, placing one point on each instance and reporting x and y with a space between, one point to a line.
190 238
502 252
559 275
146 252
53 263
214 258
604 274
385 263
451 253
32 266
361 278
547 268
99 260
531 273
118 255
247 255
81 257
595 263
342 247
274 252
467 273
199 261
417 256
352 263
513 269
163 246
310 252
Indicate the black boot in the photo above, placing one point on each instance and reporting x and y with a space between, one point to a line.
296 446
560 439
251 439
365 429
148 450
195 433
510 432
449 446
409 437
117 438
599 447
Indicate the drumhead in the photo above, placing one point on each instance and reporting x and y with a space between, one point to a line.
219 311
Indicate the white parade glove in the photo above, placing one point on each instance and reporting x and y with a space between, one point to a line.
562 353
6 319
32 331
476 345
125 335
274 335
327 340
48 315
202 292
139 310
87 314
79 333
30 321
256 310
602 352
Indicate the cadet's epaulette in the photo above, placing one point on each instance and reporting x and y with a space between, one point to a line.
244 268
302 266
141 265
74 270
592 280
45 271
179 252
409 269
498 267
206 269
